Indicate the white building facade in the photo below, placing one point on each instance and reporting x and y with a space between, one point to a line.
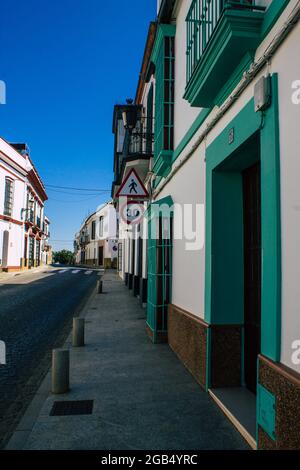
22 198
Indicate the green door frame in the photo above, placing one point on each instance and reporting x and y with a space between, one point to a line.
243 127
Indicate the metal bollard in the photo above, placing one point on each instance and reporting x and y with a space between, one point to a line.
100 287
78 332
60 370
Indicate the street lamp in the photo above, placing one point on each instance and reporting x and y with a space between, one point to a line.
129 115
29 208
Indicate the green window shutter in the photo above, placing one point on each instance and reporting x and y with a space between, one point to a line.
164 59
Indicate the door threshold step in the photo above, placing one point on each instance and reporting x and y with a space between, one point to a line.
234 420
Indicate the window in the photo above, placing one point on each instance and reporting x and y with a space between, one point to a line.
38 215
8 196
101 222
31 252
29 207
164 99
37 252
93 230
160 243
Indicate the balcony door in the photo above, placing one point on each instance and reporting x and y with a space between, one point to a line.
5 248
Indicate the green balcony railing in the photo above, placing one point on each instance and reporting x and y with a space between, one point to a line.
202 19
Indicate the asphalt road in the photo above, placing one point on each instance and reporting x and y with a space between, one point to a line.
36 312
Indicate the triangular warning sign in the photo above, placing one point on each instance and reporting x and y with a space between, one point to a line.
132 187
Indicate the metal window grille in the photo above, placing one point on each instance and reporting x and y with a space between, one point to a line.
8 196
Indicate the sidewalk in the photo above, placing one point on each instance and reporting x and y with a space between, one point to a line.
7 277
143 396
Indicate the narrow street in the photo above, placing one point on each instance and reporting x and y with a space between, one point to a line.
36 311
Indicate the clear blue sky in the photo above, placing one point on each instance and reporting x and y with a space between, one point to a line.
65 64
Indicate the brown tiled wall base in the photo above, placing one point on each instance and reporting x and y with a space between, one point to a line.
226 342
284 383
188 339
160 337
187 336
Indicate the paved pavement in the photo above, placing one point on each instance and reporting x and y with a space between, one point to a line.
36 309
144 398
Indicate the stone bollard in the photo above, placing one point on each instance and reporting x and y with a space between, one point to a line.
100 287
78 332
60 370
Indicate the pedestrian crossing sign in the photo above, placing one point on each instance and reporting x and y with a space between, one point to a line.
132 187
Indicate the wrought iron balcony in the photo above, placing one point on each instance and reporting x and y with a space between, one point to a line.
225 29
84 239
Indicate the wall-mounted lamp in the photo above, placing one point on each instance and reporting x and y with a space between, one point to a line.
129 115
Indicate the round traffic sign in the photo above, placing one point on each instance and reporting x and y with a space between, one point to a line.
132 212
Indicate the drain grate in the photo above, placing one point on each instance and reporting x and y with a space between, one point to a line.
68 408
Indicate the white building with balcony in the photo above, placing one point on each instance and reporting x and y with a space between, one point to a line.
22 198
